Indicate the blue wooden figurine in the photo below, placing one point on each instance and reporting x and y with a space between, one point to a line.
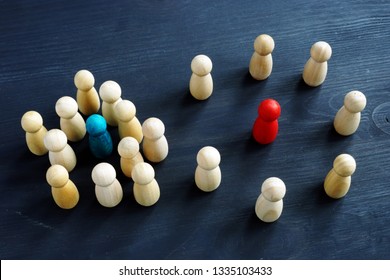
100 142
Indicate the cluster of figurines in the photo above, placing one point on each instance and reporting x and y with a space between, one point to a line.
133 136
269 204
150 136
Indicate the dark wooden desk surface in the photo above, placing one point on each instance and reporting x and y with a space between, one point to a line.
147 47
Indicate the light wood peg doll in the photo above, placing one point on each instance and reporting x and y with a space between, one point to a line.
146 189
32 124
128 123
128 149
87 97
269 204
71 122
316 68
110 92
338 180
108 190
155 144
63 190
347 119
201 82
208 173
260 66
59 150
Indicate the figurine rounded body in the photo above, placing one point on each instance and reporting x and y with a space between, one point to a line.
108 190
100 142
316 68
110 92
208 173
155 144
266 127
128 149
338 180
64 191
128 123
87 97
269 204
347 119
71 122
59 150
146 189
32 124
201 82
260 66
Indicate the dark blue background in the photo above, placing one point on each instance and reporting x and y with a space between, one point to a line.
147 47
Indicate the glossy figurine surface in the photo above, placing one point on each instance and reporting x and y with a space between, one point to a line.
266 127
100 142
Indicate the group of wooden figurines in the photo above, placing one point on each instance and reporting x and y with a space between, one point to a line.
121 113
115 112
265 128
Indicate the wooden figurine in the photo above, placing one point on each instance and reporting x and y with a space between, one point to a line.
146 189
59 150
316 68
110 92
108 190
260 66
201 82
347 119
338 180
128 124
128 149
63 190
71 122
265 129
32 124
155 144
208 172
100 141
87 97
269 204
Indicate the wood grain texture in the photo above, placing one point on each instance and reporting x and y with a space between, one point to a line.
147 47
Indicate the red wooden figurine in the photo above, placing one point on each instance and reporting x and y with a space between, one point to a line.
266 125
